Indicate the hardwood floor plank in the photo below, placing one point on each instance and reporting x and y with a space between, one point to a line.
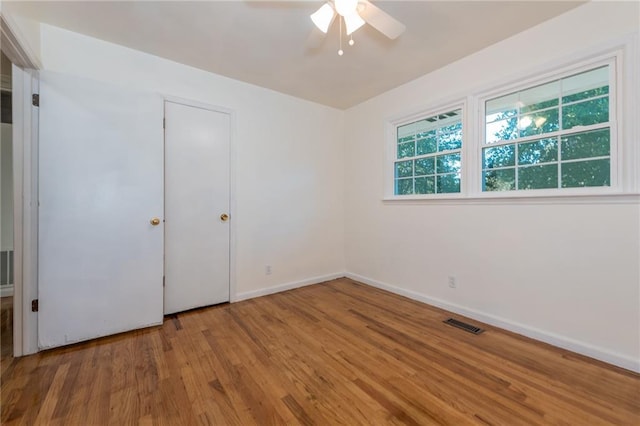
296 409
54 393
6 330
334 353
32 396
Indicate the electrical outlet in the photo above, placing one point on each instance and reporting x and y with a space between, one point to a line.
267 270
452 282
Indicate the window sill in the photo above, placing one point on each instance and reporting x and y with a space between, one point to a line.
617 198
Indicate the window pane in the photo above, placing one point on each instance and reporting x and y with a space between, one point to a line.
585 113
425 166
427 145
586 85
425 185
539 97
537 177
452 128
406 132
539 122
499 180
449 183
451 138
404 169
539 106
505 105
586 145
404 186
542 151
448 163
406 150
502 130
586 94
499 156
586 173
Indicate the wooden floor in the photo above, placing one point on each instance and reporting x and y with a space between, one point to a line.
333 353
6 327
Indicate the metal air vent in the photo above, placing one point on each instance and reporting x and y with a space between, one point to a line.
463 326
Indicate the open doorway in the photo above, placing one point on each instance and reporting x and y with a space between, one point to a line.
6 210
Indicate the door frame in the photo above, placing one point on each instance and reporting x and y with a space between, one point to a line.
25 212
25 184
232 180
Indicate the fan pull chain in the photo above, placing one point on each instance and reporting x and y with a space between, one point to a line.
351 42
340 51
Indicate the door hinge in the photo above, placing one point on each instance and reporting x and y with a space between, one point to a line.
35 99
164 123
163 281
34 305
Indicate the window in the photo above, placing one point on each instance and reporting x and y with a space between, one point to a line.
563 132
551 136
428 155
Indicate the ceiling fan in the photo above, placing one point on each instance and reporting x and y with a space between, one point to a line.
354 14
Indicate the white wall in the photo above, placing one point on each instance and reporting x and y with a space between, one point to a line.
564 273
289 159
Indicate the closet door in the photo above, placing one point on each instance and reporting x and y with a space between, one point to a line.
196 207
100 216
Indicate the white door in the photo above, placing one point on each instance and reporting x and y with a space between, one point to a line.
196 207
100 184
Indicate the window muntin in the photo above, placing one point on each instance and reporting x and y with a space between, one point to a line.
428 155
554 135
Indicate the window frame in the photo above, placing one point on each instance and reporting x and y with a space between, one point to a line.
392 158
624 65
612 60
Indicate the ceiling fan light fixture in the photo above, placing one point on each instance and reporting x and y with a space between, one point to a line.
353 22
323 17
346 7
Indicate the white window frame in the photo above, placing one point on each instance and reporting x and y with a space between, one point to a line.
391 155
623 58
611 60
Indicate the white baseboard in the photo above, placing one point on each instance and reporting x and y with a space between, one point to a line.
288 286
6 290
564 342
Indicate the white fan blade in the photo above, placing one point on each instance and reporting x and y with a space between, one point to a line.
323 17
353 22
322 20
381 20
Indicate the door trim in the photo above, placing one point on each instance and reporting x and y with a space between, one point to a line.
25 183
232 181
25 211
15 45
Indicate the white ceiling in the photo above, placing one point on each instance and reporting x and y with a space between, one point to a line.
264 43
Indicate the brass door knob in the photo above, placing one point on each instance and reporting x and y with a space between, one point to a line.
155 221
224 217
